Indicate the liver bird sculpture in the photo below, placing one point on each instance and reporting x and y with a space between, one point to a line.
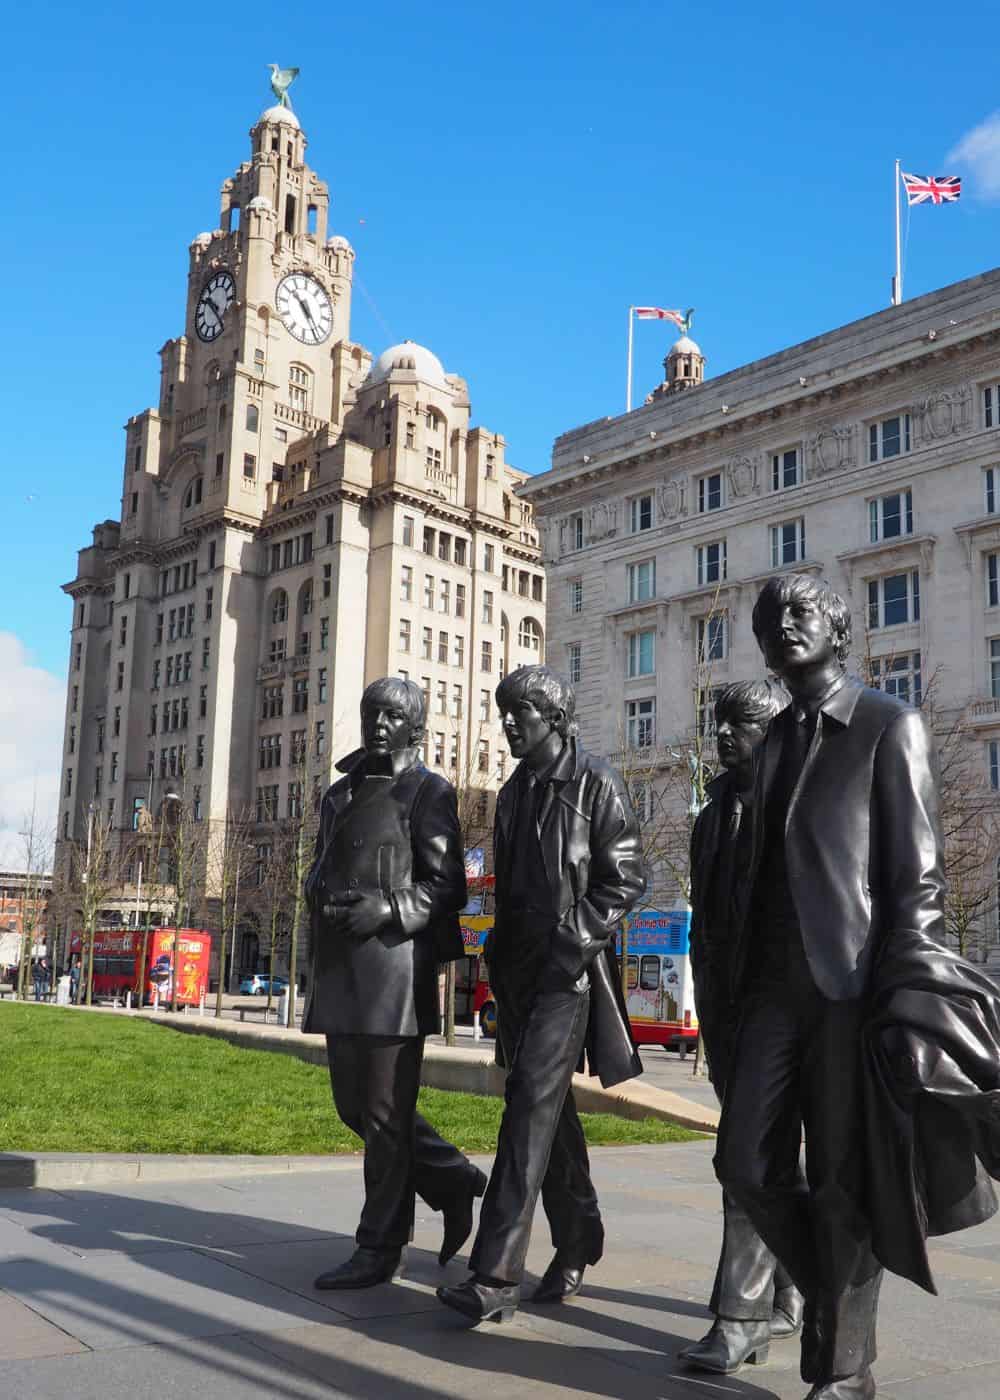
281 81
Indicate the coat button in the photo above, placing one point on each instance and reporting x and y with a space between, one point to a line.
357 844
353 882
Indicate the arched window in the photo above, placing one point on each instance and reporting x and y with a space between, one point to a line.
213 373
299 387
529 634
253 417
279 606
192 496
306 598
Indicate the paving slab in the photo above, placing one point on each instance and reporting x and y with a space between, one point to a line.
127 1291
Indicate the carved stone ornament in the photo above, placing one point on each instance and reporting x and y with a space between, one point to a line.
672 498
945 414
743 476
548 536
831 450
601 520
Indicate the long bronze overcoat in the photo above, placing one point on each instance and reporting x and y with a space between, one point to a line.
592 855
862 839
404 841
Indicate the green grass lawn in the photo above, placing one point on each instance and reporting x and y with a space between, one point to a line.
79 1081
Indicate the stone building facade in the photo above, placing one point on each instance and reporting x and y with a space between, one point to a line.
869 455
297 519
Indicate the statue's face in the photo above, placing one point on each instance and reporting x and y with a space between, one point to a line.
385 728
797 637
524 728
736 739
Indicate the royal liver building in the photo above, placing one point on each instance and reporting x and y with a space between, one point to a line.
297 518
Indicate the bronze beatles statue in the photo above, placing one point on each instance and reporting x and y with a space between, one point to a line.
384 891
568 868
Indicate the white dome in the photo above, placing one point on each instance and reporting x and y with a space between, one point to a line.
409 358
201 240
685 346
281 114
339 241
260 201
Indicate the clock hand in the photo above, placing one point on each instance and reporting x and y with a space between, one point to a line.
308 313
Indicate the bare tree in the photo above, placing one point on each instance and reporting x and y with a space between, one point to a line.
229 858
37 843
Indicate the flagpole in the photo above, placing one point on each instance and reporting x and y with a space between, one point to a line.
628 373
897 285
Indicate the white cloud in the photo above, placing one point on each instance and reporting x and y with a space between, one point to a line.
32 704
979 150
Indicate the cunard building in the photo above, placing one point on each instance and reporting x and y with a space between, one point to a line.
297 518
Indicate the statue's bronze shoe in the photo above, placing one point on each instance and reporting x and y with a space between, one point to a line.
364 1269
727 1345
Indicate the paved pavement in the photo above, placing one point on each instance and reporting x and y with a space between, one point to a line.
173 1289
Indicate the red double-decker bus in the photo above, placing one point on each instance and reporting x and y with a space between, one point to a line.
118 963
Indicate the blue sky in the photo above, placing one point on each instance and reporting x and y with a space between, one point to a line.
512 178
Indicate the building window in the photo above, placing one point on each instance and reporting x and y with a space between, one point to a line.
484 756
899 675
459 650
298 387
408 530
890 516
68 785
713 638
995 667
491 465
206 647
484 706
574 662
406 584
576 595
209 593
199 751
297 747
640 723
990 488
443 648
460 552
300 695
705 699
273 702
641 581
487 606
426 643
640 654
576 530
444 547
202 701
319 733
279 607
77 655
327 580
785 469
321 685
991 406
889 438
429 591
249 466
456 702
788 542
710 562
122 630
276 651
993 749
486 657
120 676
429 538
536 588
444 596
529 635
894 599
709 493
405 633
489 555
992 581
324 633
269 751
640 514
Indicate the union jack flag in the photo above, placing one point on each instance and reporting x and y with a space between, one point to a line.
938 189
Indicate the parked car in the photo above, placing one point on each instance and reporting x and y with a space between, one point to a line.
257 986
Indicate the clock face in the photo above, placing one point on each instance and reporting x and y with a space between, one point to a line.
304 308
215 300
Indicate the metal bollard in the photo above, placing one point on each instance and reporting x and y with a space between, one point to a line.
201 1004
128 1001
156 998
